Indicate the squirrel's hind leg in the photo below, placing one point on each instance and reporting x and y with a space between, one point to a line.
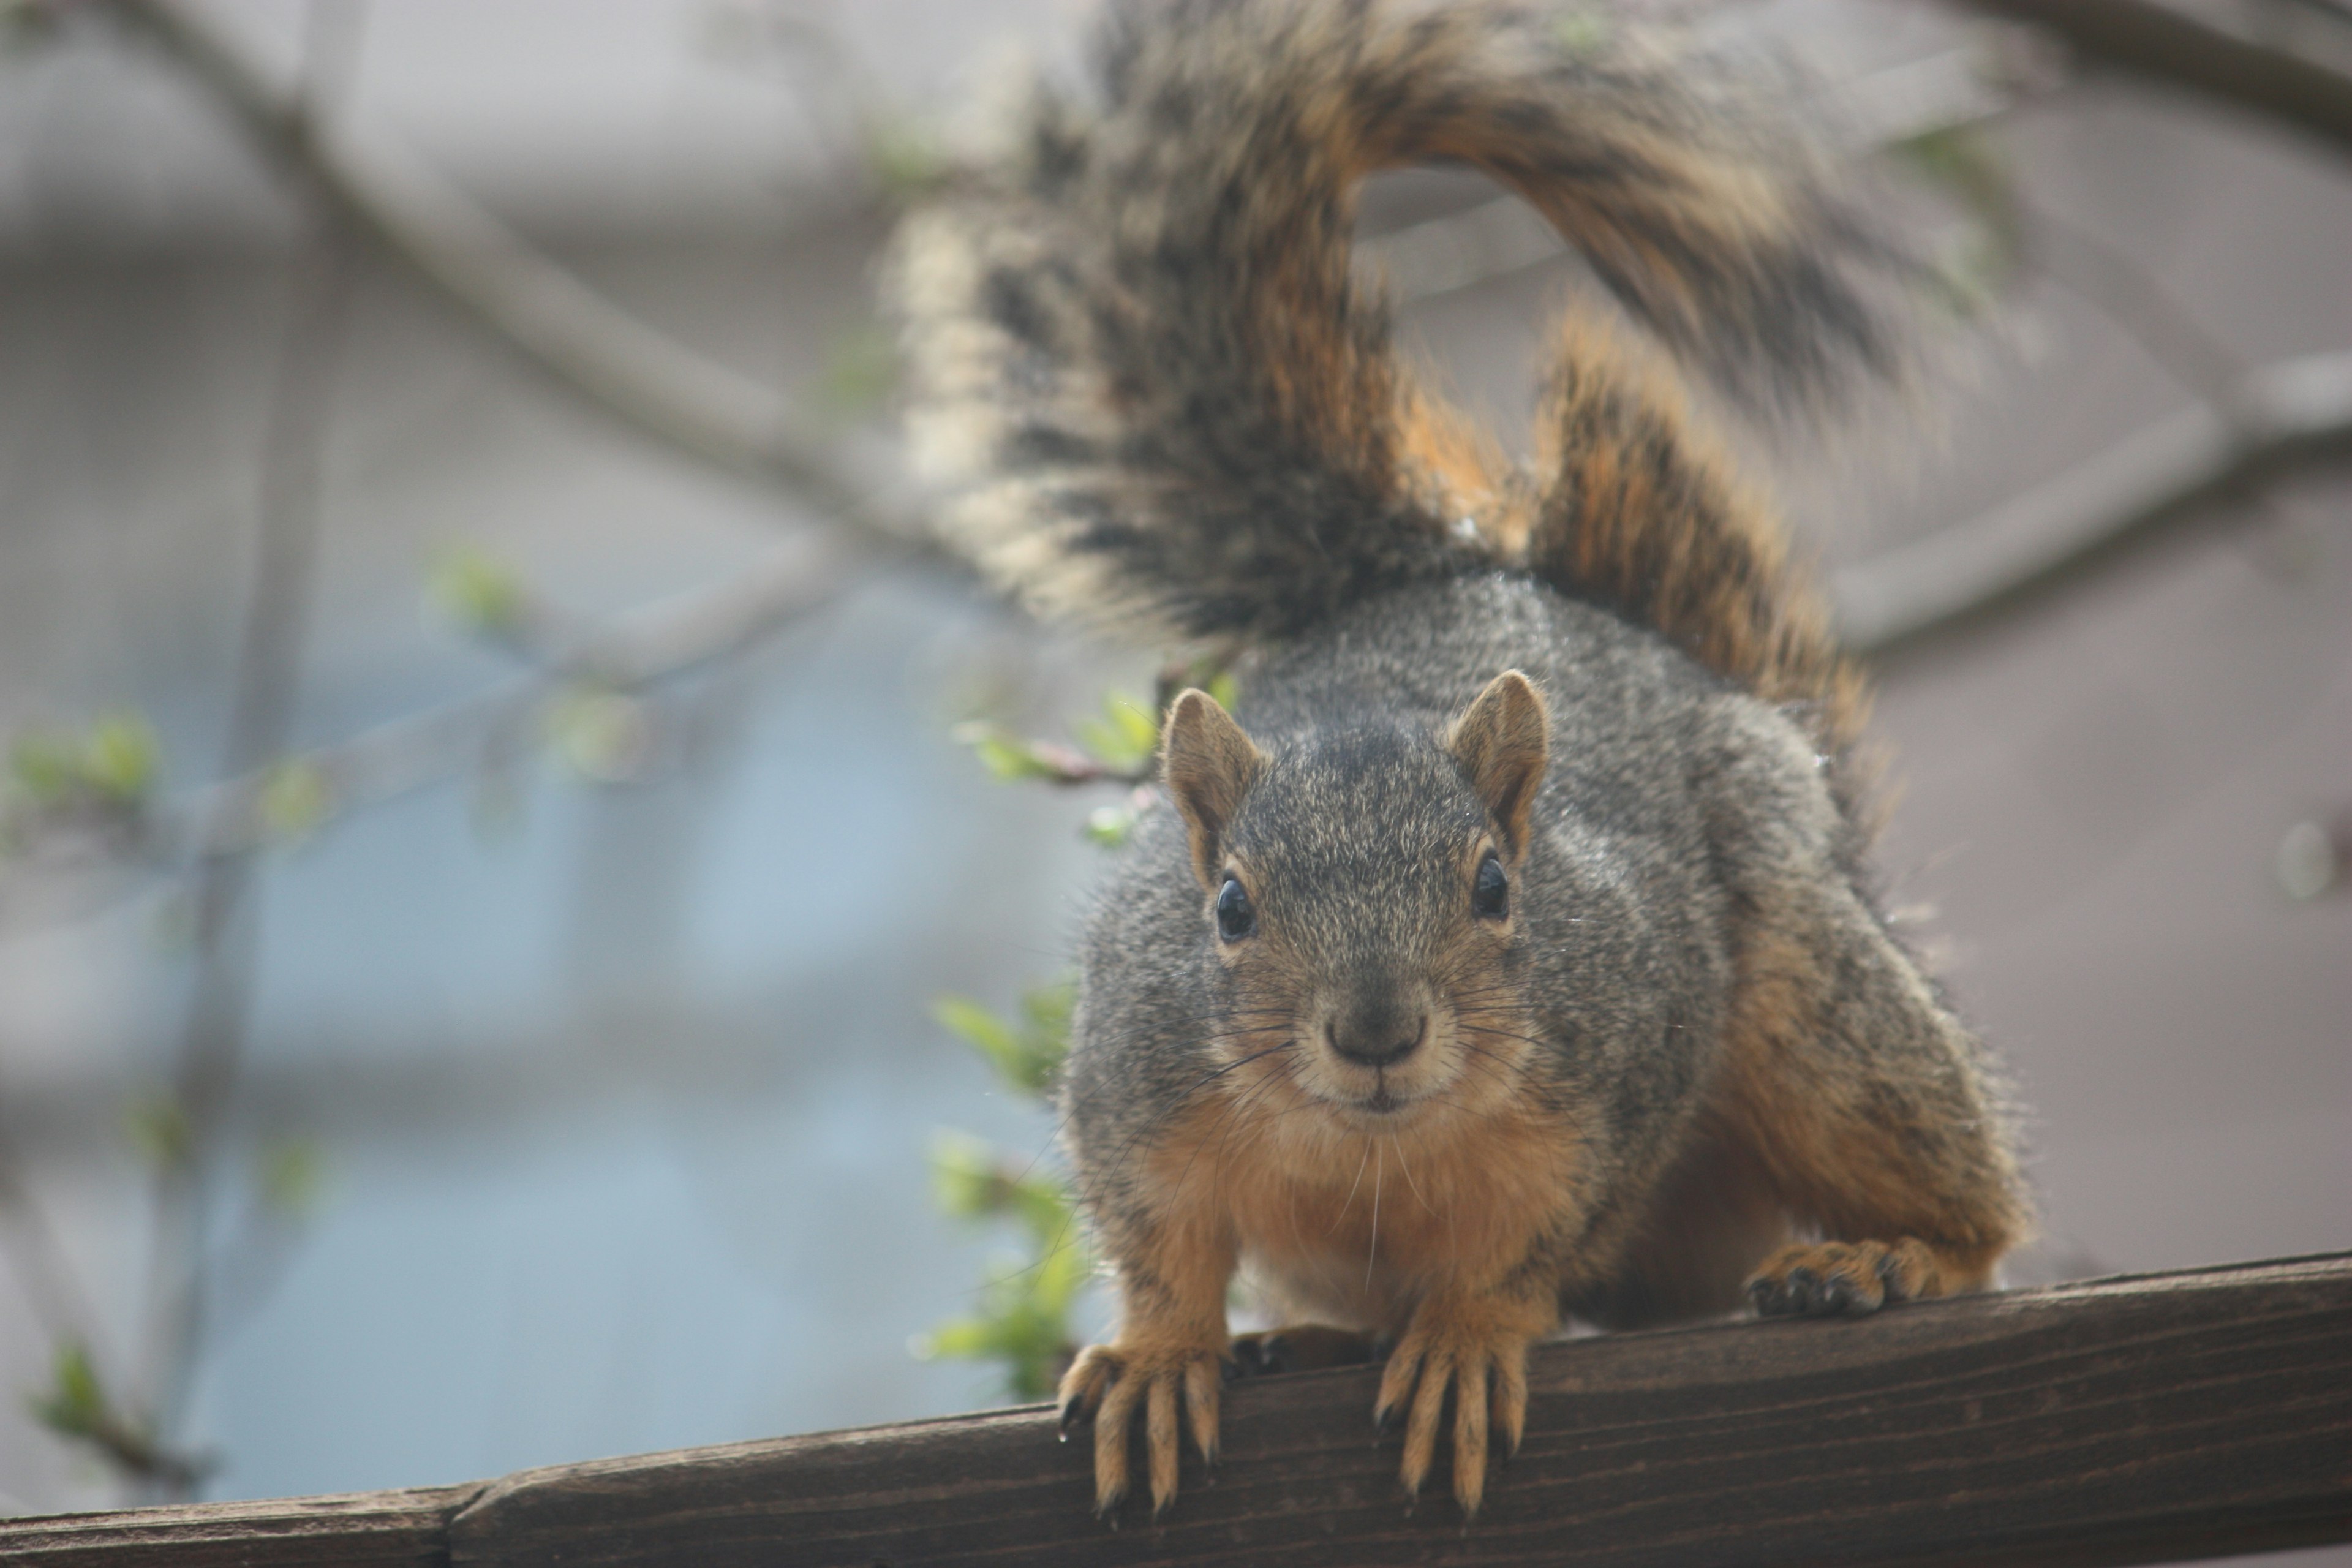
1870 1113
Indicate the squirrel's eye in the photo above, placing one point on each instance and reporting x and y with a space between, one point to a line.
1490 892
1235 918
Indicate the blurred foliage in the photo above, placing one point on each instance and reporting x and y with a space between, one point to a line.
291 1176
479 594
903 157
1008 756
1025 1053
1125 736
1022 1312
76 1406
1021 1317
296 799
1111 826
1118 746
101 777
1962 165
599 732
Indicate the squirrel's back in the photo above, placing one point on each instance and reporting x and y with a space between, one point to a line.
1139 352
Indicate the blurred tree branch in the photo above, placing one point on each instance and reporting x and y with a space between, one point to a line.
727 419
644 376
2279 417
225 893
2158 42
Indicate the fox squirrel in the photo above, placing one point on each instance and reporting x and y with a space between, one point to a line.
1509 952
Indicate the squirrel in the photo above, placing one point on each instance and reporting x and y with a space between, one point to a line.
1510 953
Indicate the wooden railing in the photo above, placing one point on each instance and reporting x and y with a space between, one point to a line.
2128 1420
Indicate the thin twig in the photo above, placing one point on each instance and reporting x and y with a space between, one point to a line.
38 1258
2279 417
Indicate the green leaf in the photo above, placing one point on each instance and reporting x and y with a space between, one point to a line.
1027 1055
965 1178
1022 1322
1126 734
973 1179
1225 688
1001 752
75 1405
1046 1039
982 1030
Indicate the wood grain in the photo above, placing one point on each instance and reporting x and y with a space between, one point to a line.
2131 1420
363 1530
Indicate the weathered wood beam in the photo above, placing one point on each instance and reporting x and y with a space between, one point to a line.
404 1528
2129 1420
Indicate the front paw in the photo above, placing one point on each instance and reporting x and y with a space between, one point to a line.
1479 1349
1110 1385
1844 1279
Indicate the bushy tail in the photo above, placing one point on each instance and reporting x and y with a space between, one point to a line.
1139 347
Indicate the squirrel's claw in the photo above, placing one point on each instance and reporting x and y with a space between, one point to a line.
1166 1389
1486 1368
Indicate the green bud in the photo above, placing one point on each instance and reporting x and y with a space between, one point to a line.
605 735
75 1405
121 758
477 593
291 1175
296 797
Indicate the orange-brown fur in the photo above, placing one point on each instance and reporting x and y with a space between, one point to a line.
1638 505
1453 1197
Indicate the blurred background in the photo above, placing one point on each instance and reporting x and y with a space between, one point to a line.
486 828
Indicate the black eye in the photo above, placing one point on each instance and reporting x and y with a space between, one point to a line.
1490 892
1235 918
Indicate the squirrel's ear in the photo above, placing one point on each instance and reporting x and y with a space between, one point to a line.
1209 765
1502 742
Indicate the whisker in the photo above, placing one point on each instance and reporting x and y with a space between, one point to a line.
1351 1190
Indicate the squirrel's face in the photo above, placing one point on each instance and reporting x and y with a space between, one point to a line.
1357 891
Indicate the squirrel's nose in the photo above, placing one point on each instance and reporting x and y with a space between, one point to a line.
1376 1042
